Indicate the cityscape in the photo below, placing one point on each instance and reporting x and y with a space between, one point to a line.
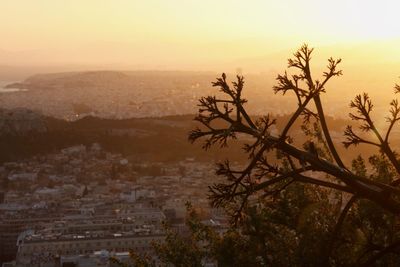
199 133
81 202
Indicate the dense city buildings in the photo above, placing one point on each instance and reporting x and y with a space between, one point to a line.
83 200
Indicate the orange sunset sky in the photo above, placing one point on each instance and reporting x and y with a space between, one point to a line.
193 34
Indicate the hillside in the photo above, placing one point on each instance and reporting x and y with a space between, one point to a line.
98 79
147 139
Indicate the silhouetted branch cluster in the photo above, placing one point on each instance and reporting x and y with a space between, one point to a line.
363 106
266 175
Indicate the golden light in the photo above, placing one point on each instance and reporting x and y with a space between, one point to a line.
187 32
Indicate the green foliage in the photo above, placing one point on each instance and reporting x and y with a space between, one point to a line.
189 250
358 166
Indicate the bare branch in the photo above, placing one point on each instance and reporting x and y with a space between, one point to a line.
260 174
353 139
393 118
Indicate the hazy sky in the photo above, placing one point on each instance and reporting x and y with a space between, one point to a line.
184 33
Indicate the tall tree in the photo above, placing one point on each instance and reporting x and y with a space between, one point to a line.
276 164
295 205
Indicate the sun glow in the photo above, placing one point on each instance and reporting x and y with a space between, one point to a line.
352 20
181 33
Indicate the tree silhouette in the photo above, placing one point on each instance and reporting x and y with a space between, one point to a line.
275 162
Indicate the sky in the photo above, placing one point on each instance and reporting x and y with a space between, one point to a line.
191 34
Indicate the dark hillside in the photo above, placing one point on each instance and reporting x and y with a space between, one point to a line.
152 139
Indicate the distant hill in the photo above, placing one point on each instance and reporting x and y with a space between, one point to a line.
95 79
67 80
141 139
152 139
